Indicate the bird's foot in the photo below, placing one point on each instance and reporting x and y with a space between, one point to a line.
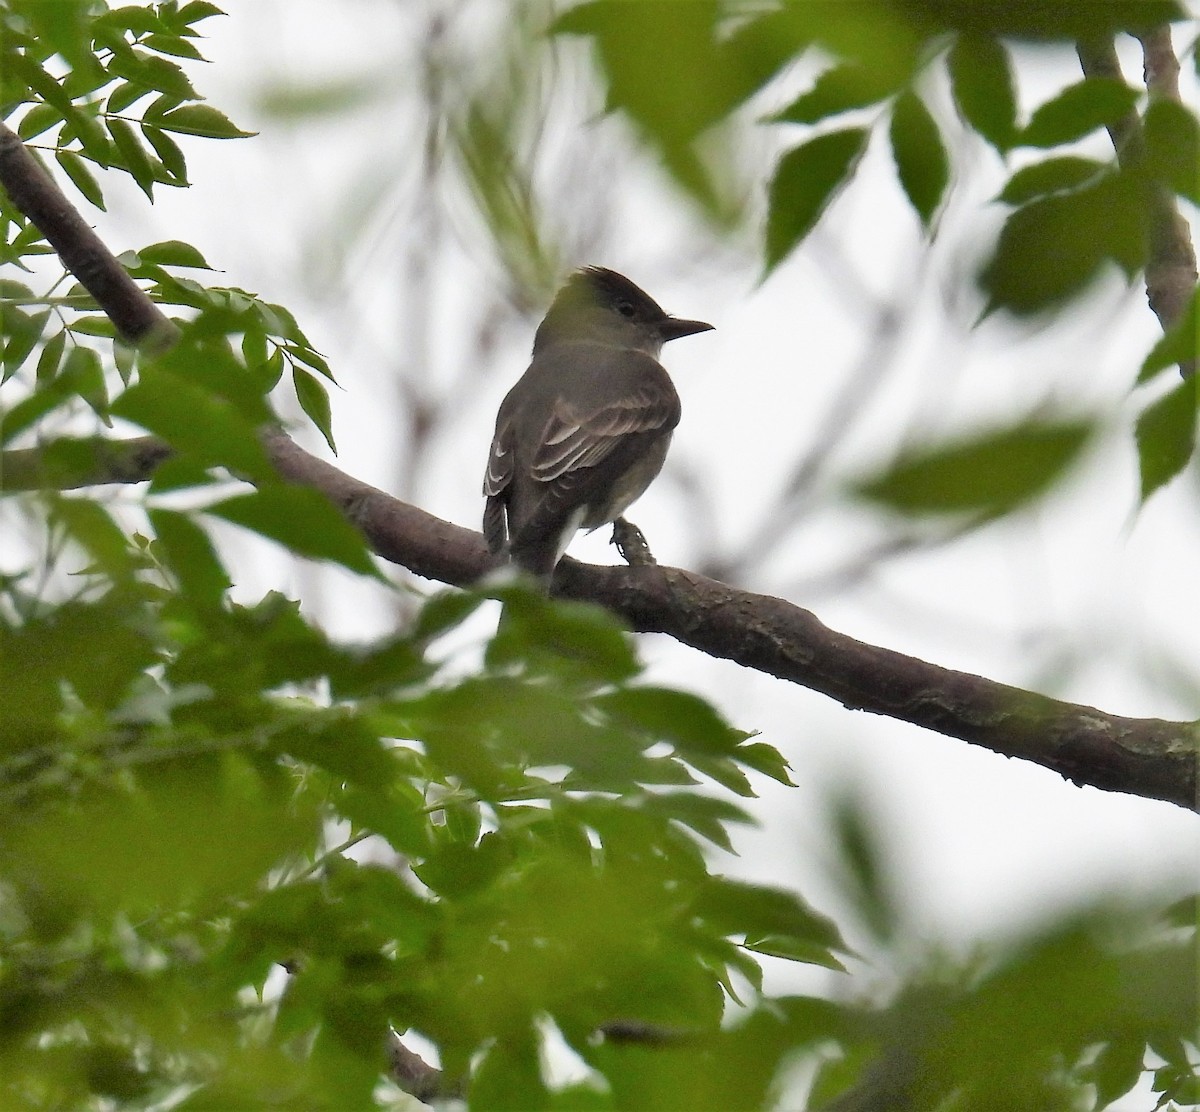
631 544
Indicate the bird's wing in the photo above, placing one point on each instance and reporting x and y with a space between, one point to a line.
575 438
501 459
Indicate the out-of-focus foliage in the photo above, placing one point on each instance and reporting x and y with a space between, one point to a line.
235 856
1072 218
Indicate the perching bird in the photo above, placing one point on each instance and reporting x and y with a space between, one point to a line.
586 429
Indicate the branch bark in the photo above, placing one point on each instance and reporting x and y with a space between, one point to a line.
1171 267
1148 757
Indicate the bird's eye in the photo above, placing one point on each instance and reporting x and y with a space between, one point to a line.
625 308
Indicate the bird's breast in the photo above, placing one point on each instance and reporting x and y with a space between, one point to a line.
630 485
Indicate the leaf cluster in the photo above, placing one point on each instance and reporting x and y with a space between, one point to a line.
888 64
100 88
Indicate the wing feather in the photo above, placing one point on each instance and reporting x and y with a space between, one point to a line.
572 440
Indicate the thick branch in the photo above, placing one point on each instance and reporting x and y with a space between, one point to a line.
82 252
1142 756
1171 266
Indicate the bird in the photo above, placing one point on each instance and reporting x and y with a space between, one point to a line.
586 428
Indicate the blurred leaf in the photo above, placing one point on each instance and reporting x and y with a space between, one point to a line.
806 180
991 474
735 907
92 527
1166 436
195 421
982 82
573 641
684 719
921 159
1053 247
300 519
1172 136
1117 1069
83 373
1178 345
1078 111
289 99
188 551
841 88
1054 175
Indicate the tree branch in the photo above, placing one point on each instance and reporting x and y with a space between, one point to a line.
82 252
1147 757
1171 267
1150 757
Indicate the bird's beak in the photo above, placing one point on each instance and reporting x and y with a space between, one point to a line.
674 327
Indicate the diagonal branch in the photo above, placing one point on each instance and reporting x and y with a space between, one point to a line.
1147 757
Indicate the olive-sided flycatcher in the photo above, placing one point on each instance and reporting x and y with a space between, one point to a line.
586 428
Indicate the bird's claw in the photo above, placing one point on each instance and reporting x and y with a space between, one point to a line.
631 544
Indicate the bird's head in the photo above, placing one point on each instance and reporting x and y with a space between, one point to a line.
601 305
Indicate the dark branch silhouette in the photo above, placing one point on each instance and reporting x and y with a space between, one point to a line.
1148 757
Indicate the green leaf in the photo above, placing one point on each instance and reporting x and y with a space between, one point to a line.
125 94
196 10
735 907
154 72
314 400
200 119
569 640
173 252
842 88
195 421
766 759
1172 136
81 177
982 82
806 180
168 150
310 357
300 519
1166 436
989 474
31 409
921 160
1078 111
41 117
134 155
189 552
83 373
1054 175
684 719
1178 345
1051 249
172 44
93 326
1117 1069
22 339
90 525
51 357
